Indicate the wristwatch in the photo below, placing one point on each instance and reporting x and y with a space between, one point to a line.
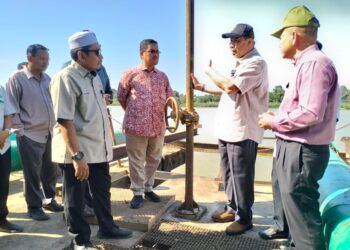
77 156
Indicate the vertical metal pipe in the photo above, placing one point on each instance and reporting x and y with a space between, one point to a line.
188 204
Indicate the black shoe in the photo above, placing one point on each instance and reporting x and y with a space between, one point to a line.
136 201
88 211
85 246
8 227
53 206
116 233
271 233
152 196
38 214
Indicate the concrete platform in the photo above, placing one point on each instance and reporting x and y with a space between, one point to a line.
52 234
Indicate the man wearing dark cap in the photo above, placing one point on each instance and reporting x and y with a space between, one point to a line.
304 126
243 97
82 140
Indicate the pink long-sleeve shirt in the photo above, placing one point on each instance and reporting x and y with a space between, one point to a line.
308 110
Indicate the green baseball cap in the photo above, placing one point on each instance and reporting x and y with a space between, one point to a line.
299 16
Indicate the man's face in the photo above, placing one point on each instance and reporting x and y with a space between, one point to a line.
40 61
92 58
286 44
150 56
240 46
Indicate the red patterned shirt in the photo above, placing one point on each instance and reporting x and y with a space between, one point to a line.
144 94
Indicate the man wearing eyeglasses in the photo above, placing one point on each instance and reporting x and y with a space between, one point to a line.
82 140
142 93
243 97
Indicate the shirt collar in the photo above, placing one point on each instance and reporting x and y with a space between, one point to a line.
82 71
143 68
302 55
30 74
251 53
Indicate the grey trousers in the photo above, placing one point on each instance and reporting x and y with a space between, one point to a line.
237 171
38 169
279 217
299 167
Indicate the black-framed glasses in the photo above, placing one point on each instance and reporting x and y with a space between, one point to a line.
97 52
153 52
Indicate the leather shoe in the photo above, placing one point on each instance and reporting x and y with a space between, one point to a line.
152 196
38 214
237 228
223 217
88 211
8 227
271 233
115 233
53 206
136 201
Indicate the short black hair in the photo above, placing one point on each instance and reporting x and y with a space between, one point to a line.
74 52
35 48
21 65
144 43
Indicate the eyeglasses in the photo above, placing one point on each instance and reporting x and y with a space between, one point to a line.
153 52
97 52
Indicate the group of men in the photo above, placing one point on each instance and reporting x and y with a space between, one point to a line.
304 127
70 113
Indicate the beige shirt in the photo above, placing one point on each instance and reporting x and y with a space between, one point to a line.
31 97
78 96
238 114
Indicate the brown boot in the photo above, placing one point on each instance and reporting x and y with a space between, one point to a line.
237 228
223 217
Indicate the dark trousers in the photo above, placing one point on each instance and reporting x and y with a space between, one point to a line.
38 169
299 167
237 171
279 217
74 201
5 169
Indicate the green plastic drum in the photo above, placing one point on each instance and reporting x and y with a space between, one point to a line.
16 163
15 159
335 203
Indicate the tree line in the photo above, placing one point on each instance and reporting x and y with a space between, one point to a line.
275 98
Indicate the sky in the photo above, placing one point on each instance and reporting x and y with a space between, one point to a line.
120 25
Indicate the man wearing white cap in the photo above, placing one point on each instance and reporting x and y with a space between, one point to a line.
83 145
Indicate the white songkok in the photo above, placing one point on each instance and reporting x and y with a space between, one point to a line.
82 39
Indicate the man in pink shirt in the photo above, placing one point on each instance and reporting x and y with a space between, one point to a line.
142 93
304 126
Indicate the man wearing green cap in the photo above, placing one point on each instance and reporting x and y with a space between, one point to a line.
304 126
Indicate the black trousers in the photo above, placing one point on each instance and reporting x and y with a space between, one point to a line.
5 169
74 200
279 217
299 167
238 171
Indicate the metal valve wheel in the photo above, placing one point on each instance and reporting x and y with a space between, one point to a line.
172 111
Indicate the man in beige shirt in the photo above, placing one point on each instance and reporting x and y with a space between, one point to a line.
28 90
243 97
82 141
